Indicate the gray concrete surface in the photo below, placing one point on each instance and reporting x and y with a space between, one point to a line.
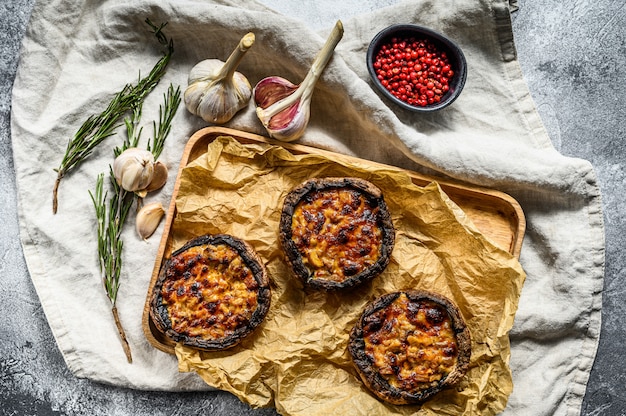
573 56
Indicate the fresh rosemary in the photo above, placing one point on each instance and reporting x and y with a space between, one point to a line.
132 134
110 244
166 114
98 127
111 223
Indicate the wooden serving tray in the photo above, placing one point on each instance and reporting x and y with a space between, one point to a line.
497 215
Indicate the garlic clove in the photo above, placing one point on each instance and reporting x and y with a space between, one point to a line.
272 89
148 219
216 91
133 169
288 123
285 111
159 177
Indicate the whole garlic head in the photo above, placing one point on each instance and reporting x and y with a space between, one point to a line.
216 100
216 91
133 169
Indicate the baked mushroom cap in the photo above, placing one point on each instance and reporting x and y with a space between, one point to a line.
211 293
336 232
409 345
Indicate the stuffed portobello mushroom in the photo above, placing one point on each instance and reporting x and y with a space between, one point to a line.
211 293
409 345
336 233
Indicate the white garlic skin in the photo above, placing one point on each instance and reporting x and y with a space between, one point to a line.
133 169
215 100
148 219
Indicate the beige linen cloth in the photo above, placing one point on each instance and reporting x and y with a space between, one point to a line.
77 54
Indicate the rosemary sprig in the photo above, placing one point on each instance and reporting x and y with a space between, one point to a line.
132 134
110 224
98 127
166 114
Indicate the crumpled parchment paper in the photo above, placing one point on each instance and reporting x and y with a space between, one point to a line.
297 359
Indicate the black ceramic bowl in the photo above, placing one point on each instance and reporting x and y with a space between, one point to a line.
455 60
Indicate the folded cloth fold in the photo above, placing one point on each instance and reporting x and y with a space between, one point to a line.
76 55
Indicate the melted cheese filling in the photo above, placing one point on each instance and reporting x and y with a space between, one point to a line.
209 292
337 233
411 344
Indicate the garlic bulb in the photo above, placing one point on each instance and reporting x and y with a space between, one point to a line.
283 107
216 91
133 169
148 219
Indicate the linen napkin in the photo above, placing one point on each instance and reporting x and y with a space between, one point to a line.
77 54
